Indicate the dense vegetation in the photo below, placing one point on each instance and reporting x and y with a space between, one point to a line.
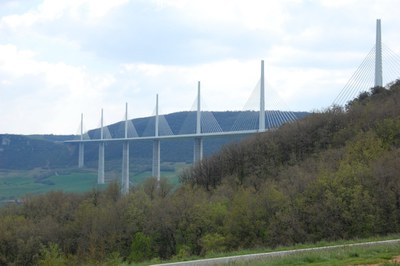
332 175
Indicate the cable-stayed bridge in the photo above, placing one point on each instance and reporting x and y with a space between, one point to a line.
205 126
200 125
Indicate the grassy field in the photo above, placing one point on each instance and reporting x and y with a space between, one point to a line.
16 184
371 255
169 171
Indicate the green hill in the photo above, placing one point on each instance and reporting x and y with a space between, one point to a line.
331 175
28 152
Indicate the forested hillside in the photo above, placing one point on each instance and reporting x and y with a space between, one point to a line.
338 139
332 175
28 152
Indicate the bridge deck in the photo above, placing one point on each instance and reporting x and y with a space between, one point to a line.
170 137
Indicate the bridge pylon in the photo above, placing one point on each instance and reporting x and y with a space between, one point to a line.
100 172
261 121
378 55
198 140
125 157
81 155
156 147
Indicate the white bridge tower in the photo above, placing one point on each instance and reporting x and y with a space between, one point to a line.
378 55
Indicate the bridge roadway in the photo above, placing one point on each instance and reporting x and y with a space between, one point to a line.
171 137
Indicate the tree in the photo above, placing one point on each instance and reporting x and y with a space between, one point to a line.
52 256
140 248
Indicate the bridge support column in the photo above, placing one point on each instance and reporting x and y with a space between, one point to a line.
198 141
81 158
125 168
81 147
378 55
156 147
125 158
100 173
261 125
156 159
198 150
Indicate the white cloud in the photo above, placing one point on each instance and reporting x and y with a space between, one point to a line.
61 58
49 10
15 62
251 15
34 91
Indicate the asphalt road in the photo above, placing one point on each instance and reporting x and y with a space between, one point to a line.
249 257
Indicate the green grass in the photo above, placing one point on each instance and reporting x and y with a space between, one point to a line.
15 184
380 254
172 175
75 182
350 255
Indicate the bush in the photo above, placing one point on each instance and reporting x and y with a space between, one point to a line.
140 248
52 256
213 243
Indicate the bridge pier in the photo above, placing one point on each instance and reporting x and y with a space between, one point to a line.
81 157
198 150
261 120
100 172
198 141
125 168
125 158
156 147
156 160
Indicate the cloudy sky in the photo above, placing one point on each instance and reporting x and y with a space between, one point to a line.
61 58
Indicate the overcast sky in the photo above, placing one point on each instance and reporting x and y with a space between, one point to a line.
61 58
